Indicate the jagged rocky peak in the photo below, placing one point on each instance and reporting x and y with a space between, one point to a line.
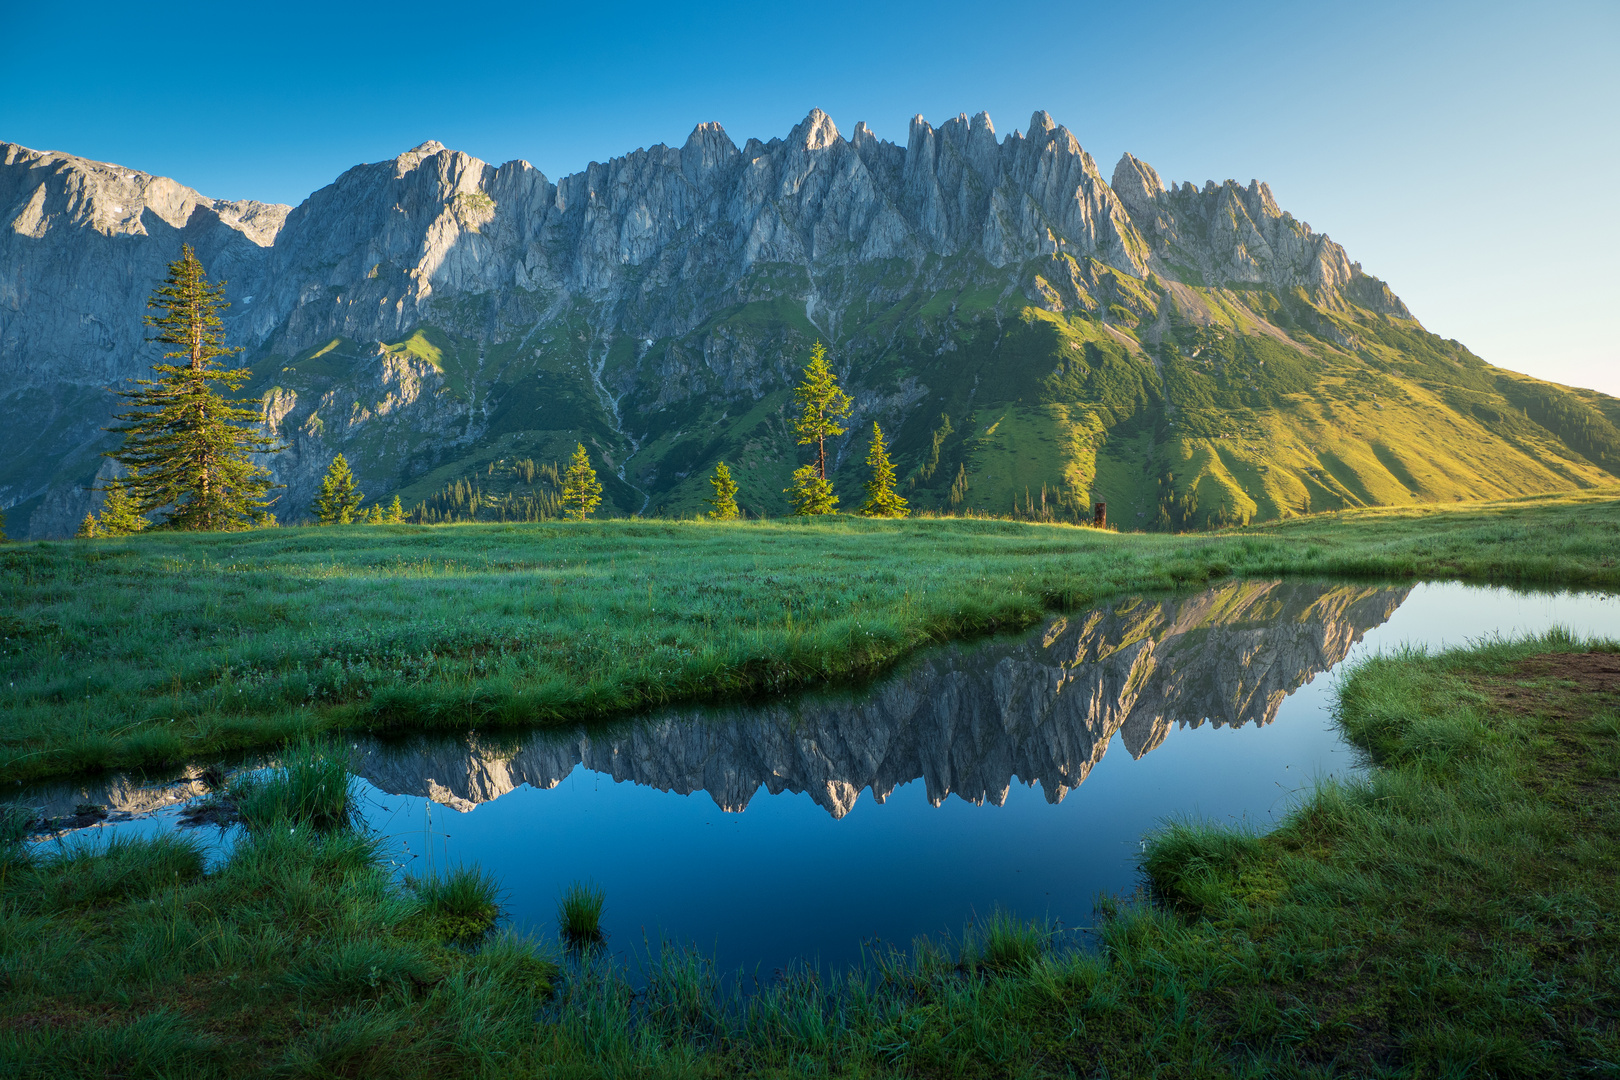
1136 183
411 158
815 132
40 189
707 150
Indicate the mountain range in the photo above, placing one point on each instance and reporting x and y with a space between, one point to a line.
1031 336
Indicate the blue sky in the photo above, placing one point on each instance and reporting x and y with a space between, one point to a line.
1464 152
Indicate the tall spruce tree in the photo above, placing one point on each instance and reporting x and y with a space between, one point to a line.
725 494
582 492
339 498
881 498
188 449
821 405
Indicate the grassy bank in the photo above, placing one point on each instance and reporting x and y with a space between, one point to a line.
1455 914
159 648
299 956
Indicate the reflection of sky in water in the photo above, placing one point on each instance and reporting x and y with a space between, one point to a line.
786 879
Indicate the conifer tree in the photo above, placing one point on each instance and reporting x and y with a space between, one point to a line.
821 405
725 494
186 447
2 526
339 498
582 492
395 514
881 499
811 494
87 528
120 515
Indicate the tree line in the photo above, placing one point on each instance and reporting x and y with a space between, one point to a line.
188 450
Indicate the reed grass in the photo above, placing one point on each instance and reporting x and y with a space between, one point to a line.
299 955
166 647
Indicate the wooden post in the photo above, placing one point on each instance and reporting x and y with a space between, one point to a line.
1099 517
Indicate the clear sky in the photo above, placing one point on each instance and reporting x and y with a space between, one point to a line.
1466 152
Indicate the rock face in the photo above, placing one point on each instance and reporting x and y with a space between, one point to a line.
436 318
966 721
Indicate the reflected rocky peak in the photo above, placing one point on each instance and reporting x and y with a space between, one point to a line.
965 719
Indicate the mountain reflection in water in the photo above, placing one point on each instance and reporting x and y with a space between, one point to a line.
965 719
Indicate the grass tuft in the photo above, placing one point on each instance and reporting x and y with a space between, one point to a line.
311 786
579 914
461 905
1195 863
1004 943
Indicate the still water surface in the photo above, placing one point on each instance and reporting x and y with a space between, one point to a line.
1019 773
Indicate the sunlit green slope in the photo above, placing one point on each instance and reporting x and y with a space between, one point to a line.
1180 406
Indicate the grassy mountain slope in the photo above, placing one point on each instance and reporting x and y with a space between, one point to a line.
1181 406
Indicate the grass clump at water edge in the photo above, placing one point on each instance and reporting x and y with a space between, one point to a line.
309 785
461 905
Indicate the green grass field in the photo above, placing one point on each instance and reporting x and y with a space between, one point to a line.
159 648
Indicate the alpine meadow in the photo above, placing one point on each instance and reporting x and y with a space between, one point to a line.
818 607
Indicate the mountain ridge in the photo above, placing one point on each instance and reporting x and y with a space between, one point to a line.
1022 326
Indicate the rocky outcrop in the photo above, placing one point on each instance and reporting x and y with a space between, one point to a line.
966 721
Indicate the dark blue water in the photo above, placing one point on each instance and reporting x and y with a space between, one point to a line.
1015 773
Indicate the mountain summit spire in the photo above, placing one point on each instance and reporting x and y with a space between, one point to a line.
815 132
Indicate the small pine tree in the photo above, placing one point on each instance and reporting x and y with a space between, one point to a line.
582 492
186 447
339 498
373 516
395 514
725 494
881 499
120 514
811 494
2 526
87 528
821 405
